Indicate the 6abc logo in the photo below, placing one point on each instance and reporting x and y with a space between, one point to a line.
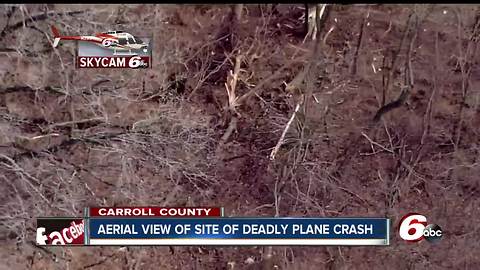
137 62
413 228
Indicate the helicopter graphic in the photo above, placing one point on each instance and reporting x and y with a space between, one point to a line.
118 41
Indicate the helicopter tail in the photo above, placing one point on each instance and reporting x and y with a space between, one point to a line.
56 35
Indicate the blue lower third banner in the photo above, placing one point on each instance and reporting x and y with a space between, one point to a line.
239 231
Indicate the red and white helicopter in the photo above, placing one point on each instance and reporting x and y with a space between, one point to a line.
114 40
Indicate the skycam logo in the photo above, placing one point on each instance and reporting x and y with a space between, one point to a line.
113 49
413 228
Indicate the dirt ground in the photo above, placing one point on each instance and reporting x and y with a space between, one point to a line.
168 136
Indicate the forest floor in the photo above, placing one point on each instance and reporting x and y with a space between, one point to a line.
168 136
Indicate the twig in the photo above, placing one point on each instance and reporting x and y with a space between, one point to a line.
93 139
260 87
282 138
314 27
203 79
21 172
9 16
103 260
408 76
428 113
297 82
81 121
377 144
384 80
409 79
231 128
359 42
231 84
328 34
393 66
309 75
20 88
466 70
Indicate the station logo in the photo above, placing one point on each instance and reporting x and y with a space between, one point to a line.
413 228
112 49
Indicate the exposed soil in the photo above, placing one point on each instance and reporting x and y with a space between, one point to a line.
71 138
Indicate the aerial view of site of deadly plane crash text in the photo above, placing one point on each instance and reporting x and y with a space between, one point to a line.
239 136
